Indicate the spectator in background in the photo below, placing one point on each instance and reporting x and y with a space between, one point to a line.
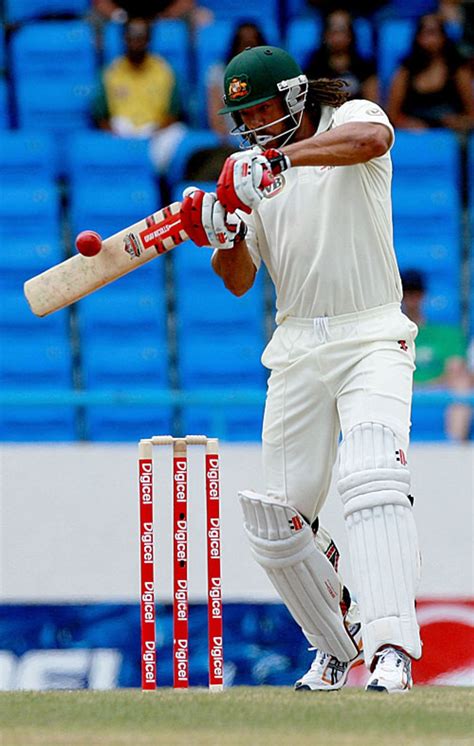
338 58
440 356
246 34
432 87
138 96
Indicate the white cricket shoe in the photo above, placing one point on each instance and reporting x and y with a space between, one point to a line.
327 673
392 672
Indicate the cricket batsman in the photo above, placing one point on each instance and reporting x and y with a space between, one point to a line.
310 197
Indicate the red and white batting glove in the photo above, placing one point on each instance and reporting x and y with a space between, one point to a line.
243 178
205 221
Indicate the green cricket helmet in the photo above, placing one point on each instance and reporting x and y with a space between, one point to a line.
259 74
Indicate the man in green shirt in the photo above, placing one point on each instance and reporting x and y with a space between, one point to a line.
440 355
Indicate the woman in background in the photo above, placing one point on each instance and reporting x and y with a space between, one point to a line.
338 58
432 87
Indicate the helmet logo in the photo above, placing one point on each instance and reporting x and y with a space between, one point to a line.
238 87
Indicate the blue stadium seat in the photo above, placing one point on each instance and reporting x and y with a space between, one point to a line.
26 156
127 423
57 105
430 155
33 424
214 363
413 8
305 34
127 364
443 302
111 209
471 304
4 106
33 208
296 8
227 9
228 422
57 49
211 311
3 57
17 318
102 159
437 255
28 257
427 422
427 211
169 39
35 363
432 213
17 11
133 313
395 39
54 72
302 36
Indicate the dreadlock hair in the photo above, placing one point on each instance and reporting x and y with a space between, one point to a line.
324 92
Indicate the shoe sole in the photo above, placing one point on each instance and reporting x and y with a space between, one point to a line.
376 688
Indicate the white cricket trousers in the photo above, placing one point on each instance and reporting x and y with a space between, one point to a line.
329 374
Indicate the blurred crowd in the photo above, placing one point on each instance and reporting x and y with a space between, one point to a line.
432 87
138 95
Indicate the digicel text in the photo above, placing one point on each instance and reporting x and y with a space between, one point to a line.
146 481
213 478
180 478
147 540
214 538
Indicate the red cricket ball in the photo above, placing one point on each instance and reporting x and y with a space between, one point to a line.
88 243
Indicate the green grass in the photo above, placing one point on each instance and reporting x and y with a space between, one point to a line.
258 716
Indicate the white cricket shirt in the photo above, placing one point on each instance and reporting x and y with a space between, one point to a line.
325 232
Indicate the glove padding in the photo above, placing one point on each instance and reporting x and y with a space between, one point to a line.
205 221
243 178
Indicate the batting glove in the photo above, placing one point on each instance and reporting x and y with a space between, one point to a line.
205 220
243 178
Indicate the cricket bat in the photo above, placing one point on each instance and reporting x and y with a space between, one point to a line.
73 279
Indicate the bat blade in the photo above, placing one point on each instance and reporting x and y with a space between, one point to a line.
73 279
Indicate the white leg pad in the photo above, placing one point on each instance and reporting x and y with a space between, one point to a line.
284 545
374 485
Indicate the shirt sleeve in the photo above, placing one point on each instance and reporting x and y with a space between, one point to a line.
361 110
